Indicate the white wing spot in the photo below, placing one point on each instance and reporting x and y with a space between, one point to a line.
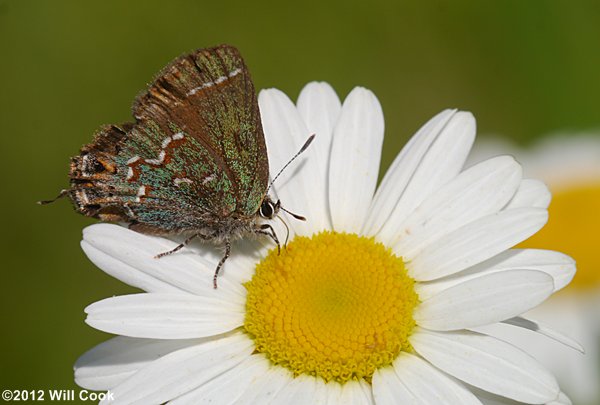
129 210
219 80
141 193
157 162
133 160
235 72
178 181
208 179
196 89
166 142
161 156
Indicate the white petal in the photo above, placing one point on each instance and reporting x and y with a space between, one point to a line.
484 300
487 398
350 393
112 362
228 387
182 371
428 385
355 156
577 373
129 256
165 316
557 265
542 329
487 363
126 273
320 107
443 161
399 175
476 242
301 390
481 190
388 389
301 186
531 193
265 389
562 399
321 392
245 255
567 158
334 393
356 393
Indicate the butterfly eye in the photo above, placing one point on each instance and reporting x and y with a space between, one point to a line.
267 210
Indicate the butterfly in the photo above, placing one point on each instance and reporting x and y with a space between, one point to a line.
193 163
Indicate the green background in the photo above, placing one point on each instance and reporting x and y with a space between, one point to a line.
525 68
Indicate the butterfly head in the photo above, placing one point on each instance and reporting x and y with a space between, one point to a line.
269 209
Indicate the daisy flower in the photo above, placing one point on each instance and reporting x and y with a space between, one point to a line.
374 301
570 165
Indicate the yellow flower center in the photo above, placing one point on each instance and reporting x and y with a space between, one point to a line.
338 306
573 229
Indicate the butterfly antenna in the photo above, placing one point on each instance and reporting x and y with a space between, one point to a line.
62 194
302 149
299 217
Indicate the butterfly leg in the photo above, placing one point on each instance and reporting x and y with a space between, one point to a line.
178 247
270 234
222 262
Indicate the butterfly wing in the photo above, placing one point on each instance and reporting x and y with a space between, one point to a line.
196 154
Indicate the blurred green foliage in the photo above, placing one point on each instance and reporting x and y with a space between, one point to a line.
66 67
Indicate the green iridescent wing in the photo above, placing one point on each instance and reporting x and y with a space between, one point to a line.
195 156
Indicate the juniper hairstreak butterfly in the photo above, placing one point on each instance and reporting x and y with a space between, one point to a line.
193 163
